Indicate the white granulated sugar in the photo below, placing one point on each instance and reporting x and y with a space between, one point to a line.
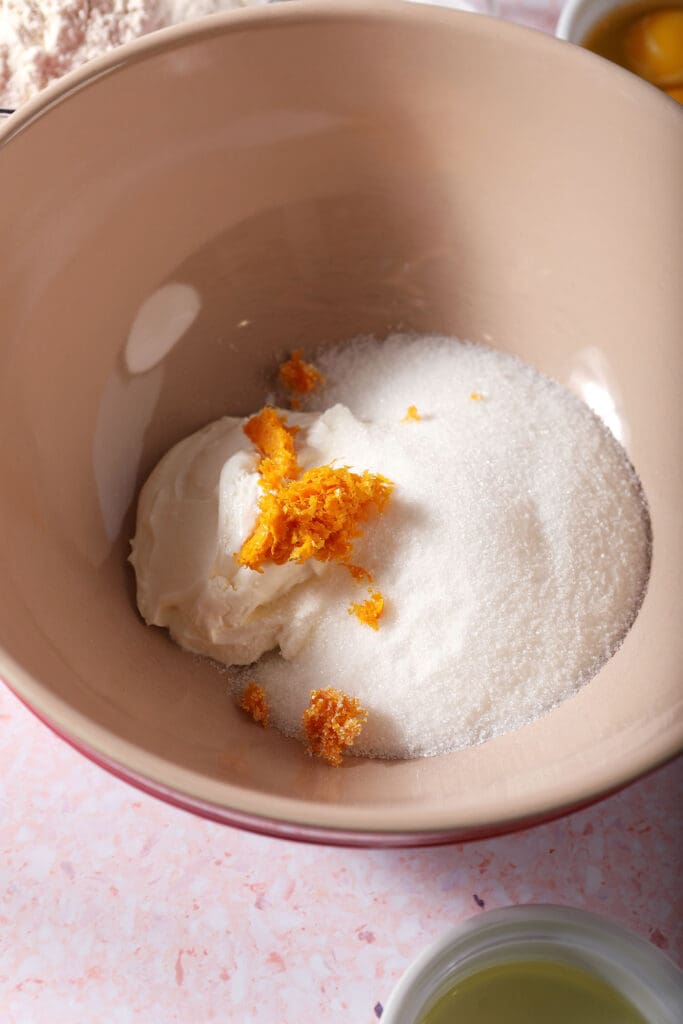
513 555
40 40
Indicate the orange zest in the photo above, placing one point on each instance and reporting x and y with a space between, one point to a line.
360 574
275 441
254 702
318 515
370 611
412 415
300 376
331 723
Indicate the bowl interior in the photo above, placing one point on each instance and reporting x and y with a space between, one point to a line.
309 173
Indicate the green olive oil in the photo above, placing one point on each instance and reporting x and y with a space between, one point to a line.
531 992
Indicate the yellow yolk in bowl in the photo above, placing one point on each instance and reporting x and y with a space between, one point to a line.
654 48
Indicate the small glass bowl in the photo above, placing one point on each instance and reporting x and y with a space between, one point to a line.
636 969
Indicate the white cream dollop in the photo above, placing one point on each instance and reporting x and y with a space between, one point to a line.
195 511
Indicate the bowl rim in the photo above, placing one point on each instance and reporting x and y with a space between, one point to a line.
295 12
586 13
285 816
368 837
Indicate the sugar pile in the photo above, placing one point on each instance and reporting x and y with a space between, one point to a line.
40 40
513 555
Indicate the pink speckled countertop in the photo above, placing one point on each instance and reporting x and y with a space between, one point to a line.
115 907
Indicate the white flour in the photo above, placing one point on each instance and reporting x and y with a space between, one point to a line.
40 40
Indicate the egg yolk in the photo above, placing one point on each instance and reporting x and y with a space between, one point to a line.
654 47
676 93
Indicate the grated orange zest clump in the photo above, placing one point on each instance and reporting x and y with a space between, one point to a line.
275 440
411 414
317 516
359 573
476 396
331 723
299 376
254 702
370 611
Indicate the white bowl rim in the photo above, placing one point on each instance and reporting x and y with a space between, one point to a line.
578 16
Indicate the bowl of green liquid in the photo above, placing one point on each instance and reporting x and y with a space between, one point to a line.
539 965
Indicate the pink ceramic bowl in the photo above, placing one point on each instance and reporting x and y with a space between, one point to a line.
310 172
